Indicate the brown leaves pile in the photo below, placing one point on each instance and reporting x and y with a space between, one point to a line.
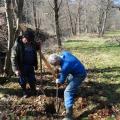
81 103
100 114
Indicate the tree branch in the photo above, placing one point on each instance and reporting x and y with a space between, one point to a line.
60 4
51 5
115 6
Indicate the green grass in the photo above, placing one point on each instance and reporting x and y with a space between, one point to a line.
113 33
97 50
102 60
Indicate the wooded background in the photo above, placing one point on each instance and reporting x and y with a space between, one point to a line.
58 18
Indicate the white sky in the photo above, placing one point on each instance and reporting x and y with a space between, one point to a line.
117 1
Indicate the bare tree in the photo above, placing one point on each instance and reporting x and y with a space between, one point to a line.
103 15
78 16
36 17
78 29
56 9
70 18
37 21
13 16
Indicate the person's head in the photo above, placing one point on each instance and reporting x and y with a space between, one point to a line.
54 59
24 40
27 37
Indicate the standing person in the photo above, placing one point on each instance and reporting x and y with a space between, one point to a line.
70 65
24 61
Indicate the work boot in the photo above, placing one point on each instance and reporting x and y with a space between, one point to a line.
33 89
69 113
25 94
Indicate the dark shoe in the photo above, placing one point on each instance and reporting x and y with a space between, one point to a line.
25 95
67 118
69 113
33 89
34 92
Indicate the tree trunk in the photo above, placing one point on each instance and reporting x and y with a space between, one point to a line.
70 17
9 17
78 19
104 23
103 19
101 16
56 9
37 26
34 14
12 32
86 25
18 15
78 23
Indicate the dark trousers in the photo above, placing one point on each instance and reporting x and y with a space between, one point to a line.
27 76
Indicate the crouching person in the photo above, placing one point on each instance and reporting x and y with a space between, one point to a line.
70 65
24 61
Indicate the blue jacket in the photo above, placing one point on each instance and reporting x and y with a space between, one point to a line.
70 65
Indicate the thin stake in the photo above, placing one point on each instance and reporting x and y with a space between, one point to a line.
40 60
57 99
58 103
42 91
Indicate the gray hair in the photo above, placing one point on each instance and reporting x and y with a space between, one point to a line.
53 58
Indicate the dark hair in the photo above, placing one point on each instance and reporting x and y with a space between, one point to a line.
29 35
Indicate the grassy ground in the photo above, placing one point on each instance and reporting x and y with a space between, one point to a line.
102 60
98 97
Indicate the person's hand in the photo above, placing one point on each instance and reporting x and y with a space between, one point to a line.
17 72
58 83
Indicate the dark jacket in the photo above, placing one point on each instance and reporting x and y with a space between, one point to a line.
17 54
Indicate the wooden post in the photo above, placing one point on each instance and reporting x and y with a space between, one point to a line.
40 60
48 66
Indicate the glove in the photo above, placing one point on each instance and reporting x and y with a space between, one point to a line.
57 81
17 72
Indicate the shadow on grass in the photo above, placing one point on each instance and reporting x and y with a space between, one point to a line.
76 41
103 94
11 91
106 73
4 80
86 113
46 85
108 69
98 90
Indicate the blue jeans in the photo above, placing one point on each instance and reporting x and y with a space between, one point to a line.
71 91
27 75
